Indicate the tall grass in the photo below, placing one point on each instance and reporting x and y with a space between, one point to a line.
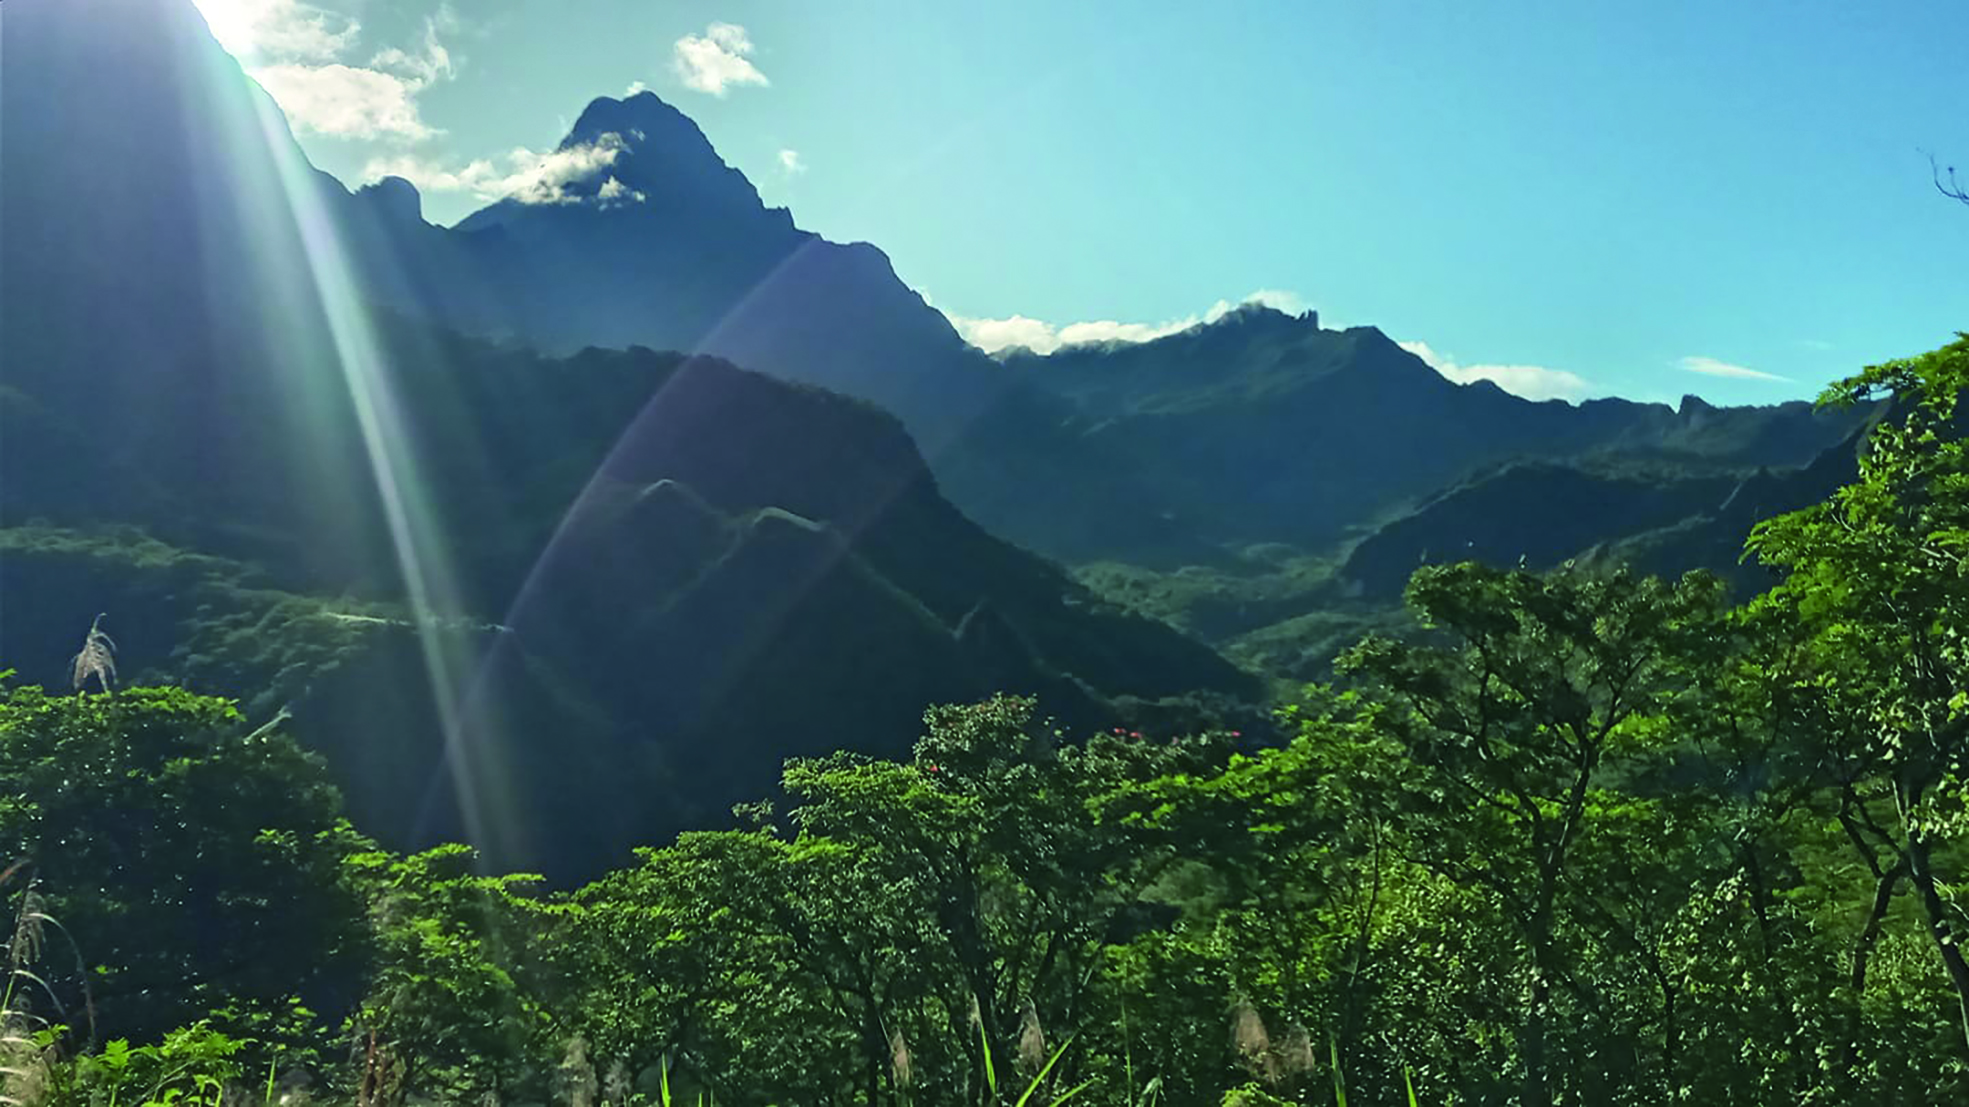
27 1039
1039 1079
96 658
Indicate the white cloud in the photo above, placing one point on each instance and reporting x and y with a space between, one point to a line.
992 335
1709 366
429 176
615 194
1110 330
528 177
1279 299
301 55
345 101
715 60
636 88
1533 382
543 178
790 163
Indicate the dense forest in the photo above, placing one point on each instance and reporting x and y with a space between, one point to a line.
1583 836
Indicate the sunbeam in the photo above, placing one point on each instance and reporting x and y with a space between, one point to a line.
353 373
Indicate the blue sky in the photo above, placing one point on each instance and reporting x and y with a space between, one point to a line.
1641 198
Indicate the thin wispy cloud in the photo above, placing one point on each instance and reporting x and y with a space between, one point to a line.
1533 382
432 62
1711 367
716 60
306 58
992 335
791 164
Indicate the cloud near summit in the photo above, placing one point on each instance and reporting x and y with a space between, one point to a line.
992 335
1533 382
528 176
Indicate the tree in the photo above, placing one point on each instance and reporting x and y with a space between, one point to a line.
195 863
750 964
1878 576
448 1011
1509 716
994 821
1298 871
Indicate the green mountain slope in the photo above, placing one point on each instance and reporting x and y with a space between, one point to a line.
1660 521
669 575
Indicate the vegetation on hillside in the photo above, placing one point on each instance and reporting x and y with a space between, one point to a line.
779 554
1287 614
1588 837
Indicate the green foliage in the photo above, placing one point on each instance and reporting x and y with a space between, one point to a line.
446 1014
1876 598
1252 1095
1508 730
928 927
193 1066
194 861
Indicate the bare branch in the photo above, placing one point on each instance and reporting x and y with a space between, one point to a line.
1945 182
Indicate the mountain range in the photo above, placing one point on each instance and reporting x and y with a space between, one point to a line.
1259 426
1300 433
527 580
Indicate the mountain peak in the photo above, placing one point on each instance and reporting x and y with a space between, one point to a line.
644 114
656 155
1260 314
